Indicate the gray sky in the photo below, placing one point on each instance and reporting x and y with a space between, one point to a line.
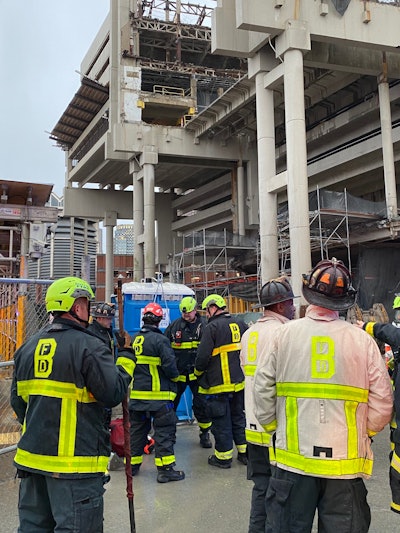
42 43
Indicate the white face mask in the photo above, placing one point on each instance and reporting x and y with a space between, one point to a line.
397 316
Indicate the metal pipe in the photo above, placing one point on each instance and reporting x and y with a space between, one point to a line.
26 280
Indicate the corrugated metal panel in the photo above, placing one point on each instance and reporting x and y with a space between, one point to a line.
82 109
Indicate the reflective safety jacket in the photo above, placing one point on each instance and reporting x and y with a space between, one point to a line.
325 385
105 334
391 335
155 372
185 338
217 364
255 344
63 378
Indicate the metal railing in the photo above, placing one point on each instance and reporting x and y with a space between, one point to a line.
168 91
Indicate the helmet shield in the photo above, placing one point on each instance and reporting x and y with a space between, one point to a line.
329 285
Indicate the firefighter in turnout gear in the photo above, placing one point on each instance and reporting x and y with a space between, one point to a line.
101 326
103 314
152 396
63 378
324 386
390 334
221 381
184 334
276 297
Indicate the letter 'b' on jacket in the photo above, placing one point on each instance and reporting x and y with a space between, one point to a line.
326 386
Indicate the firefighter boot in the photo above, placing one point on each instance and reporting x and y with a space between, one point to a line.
135 470
242 458
214 461
167 473
205 441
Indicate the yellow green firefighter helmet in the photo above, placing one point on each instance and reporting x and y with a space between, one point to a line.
396 301
63 292
187 304
213 299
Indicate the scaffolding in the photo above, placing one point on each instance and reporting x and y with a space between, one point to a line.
333 216
219 261
208 259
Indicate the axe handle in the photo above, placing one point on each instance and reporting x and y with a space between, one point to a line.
120 308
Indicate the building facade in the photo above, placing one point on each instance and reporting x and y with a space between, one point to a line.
219 121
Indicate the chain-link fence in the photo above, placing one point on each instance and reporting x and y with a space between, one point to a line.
22 313
9 427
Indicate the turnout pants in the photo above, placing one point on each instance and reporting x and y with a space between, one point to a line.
394 476
226 412
259 472
47 504
164 425
199 404
292 500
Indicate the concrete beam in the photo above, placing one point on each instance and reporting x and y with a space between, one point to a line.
218 214
210 190
278 183
225 106
101 40
171 141
346 58
244 43
365 24
93 203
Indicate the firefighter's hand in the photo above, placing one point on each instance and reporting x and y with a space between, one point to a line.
124 340
359 324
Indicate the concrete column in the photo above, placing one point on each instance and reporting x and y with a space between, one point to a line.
138 255
297 186
266 170
387 147
240 198
234 197
148 160
149 220
110 220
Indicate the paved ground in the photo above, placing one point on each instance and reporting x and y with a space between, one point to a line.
209 499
